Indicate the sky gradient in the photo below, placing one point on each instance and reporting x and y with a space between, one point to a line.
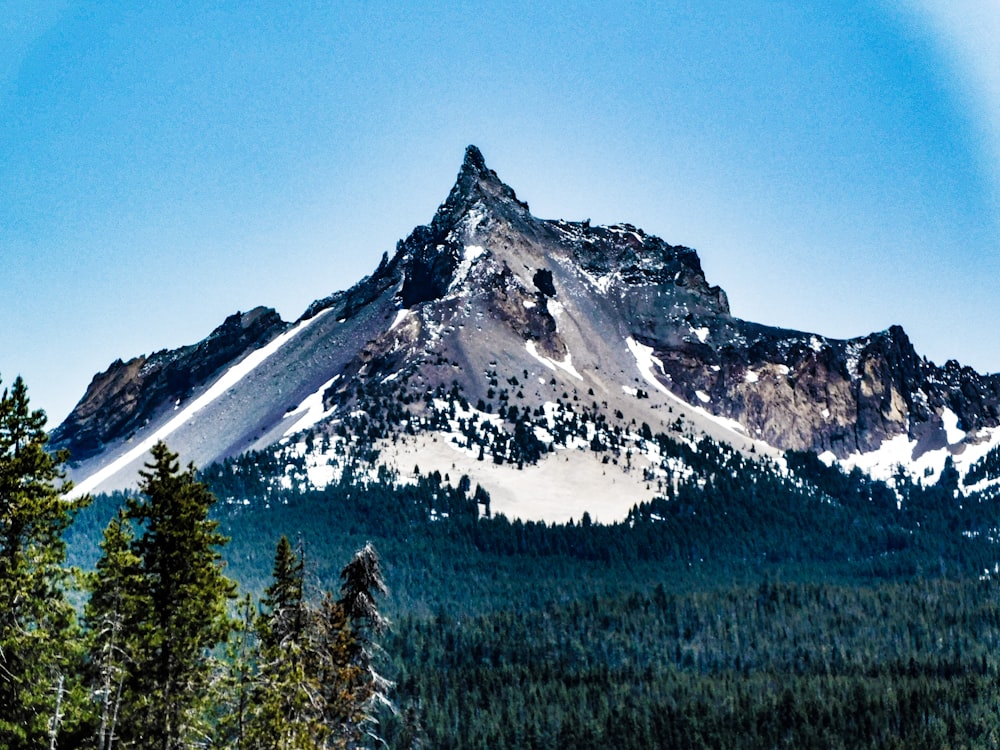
836 165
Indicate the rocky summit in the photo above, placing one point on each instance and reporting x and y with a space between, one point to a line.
500 343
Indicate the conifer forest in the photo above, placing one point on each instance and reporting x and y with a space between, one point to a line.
746 607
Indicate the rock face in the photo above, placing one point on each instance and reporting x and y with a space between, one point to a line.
806 392
489 294
126 396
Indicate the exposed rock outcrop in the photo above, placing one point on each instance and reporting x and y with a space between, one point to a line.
487 293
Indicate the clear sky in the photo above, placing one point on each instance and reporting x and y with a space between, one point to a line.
836 164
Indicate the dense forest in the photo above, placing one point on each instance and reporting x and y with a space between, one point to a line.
159 653
752 605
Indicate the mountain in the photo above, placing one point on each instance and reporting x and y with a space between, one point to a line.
537 357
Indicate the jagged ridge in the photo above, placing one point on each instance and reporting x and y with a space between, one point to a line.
486 292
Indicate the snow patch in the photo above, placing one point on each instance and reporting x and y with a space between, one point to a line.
645 361
310 410
601 283
703 397
898 453
751 377
469 256
950 421
229 378
400 317
566 365
701 333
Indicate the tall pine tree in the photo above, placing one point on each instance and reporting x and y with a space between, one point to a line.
112 616
39 642
286 707
185 595
310 691
362 580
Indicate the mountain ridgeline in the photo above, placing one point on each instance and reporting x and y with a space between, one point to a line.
490 321
612 514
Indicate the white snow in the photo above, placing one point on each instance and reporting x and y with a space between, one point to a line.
566 365
751 377
561 485
897 453
601 283
311 409
816 343
469 256
952 433
783 369
701 333
645 361
703 397
528 304
883 462
229 378
474 217
400 317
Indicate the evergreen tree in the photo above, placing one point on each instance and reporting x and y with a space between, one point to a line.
362 580
185 593
310 691
39 642
286 708
234 707
284 597
344 689
111 617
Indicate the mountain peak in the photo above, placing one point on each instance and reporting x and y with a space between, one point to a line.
474 162
477 183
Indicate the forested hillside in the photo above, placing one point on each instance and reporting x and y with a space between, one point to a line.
754 604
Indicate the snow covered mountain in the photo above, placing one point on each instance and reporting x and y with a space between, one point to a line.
537 357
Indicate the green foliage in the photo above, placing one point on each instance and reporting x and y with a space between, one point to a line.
160 662
182 602
769 665
113 618
310 689
39 644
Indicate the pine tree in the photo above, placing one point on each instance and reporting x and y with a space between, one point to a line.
39 642
311 690
186 595
234 706
344 688
362 580
284 597
286 706
111 616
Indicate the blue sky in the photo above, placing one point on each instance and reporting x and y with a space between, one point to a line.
837 165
